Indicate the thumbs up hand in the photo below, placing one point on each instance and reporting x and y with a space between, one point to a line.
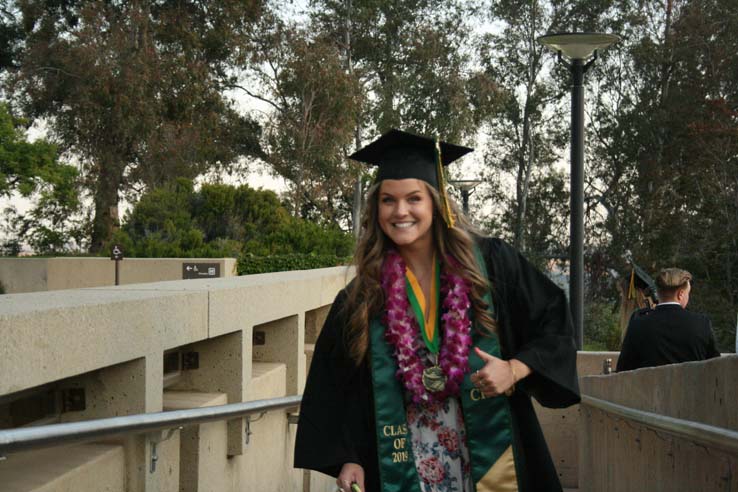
497 377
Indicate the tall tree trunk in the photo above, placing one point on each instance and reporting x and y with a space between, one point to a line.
526 157
358 193
525 168
106 219
661 136
356 209
669 58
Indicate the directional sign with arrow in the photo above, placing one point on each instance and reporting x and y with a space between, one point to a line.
200 270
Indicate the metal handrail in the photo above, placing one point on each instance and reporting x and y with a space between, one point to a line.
709 435
27 438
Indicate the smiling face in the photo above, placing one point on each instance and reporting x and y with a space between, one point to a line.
405 213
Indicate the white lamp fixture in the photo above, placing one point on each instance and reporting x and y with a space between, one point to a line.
466 186
578 45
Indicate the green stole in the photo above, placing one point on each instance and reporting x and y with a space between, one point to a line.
488 420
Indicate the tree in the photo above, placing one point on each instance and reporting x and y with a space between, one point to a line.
10 34
526 130
133 90
315 103
665 181
529 132
703 153
412 61
23 165
32 170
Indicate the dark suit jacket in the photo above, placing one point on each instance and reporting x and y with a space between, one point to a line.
666 335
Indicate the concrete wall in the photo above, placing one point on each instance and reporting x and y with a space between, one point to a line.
561 426
621 454
21 275
111 342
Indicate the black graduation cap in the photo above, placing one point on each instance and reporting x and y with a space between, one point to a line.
403 155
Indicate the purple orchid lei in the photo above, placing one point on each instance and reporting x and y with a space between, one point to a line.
402 330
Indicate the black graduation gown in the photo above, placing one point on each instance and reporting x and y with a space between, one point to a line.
336 423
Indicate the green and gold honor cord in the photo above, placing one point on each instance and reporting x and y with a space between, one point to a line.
414 293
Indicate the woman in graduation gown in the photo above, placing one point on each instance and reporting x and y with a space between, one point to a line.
423 373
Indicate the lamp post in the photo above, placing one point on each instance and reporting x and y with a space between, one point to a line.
581 49
466 186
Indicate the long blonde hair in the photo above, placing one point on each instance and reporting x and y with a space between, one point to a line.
365 295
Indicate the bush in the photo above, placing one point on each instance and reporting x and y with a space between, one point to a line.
307 238
601 327
226 221
248 264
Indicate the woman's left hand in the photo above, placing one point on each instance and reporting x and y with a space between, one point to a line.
498 375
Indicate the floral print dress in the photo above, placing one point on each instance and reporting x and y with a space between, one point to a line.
438 438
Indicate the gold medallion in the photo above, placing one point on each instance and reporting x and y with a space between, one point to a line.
434 379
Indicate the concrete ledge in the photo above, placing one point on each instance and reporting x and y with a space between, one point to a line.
98 467
19 275
705 391
110 342
54 335
625 454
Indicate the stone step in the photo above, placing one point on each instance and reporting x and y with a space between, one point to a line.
181 400
80 468
268 380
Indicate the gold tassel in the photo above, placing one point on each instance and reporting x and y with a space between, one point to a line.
448 216
631 287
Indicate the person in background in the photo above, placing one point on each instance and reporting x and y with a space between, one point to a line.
667 334
423 373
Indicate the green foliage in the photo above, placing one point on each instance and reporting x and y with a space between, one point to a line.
661 175
357 69
525 127
244 213
24 166
664 164
222 220
31 170
134 90
601 327
413 60
11 34
248 264
317 103
546 231
297 235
